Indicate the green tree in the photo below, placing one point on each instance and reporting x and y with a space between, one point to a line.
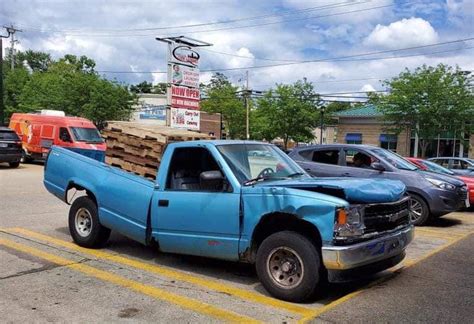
289 112
14 82
427 101
222 97
142 87
71 85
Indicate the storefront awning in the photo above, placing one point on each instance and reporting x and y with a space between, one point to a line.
353 137
388 138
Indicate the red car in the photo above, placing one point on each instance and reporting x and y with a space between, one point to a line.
433 167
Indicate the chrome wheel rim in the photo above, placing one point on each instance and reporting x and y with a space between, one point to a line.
83 222
416 210
285 267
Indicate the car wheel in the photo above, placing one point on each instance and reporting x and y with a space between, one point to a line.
288 266
84 224
25 158
419 210
14 164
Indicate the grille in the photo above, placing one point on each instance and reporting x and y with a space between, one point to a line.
384 217
462 193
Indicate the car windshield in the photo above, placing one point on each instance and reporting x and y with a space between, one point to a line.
8 135
395 160
259 161
90 135
436 168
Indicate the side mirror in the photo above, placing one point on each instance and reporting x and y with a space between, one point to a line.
377 166
66 139
212 180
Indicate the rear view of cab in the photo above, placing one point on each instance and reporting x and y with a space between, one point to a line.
39 131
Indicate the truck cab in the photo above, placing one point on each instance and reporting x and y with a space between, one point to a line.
241 201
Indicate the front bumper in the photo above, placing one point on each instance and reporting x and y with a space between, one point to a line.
368 252
443 202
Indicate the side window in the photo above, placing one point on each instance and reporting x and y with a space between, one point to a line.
357 159
464 165
456 164
326 157
189 171
64 135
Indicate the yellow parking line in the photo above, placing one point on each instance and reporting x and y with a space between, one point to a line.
450 235
408 263
176 275
132 285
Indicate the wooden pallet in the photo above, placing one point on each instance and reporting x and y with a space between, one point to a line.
138 148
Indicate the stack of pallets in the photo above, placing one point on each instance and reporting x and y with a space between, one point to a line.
138 147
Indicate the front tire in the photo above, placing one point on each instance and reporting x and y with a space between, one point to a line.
289 267
419 210
14 164
84 224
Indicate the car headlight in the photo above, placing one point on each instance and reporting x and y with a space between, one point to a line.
441 184
349 222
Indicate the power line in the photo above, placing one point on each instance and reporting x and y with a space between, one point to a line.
234 27
346 58
230 21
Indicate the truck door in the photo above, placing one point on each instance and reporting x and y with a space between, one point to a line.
190 216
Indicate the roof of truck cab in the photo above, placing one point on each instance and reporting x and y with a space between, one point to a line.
216 142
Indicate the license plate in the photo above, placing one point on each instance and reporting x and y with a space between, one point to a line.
3 145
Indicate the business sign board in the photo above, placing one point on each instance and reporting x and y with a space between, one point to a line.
152 112
185 118
183 97
183 54
184 75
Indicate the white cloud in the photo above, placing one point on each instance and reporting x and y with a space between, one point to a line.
402 33
367 88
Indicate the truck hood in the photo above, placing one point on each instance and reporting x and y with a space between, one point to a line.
353 190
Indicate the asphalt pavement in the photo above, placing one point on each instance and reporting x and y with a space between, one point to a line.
439 289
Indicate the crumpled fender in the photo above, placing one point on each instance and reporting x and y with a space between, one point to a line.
318 209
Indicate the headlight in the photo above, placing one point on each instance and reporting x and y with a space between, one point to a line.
349 222
441 184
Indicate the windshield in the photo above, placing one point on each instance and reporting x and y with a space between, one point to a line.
90 135
252 161
436 167
395 160
8 135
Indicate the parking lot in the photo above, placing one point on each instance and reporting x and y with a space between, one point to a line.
45 277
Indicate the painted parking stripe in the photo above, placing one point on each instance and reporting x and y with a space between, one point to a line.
407 263
154 292
174 274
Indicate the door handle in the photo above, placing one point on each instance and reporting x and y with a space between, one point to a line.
307 169
163 203
346 174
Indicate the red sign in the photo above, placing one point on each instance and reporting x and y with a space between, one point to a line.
183 97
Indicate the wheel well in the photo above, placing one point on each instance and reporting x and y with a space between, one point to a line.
277 222
421 197
73 185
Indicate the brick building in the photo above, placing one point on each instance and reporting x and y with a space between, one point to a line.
364 125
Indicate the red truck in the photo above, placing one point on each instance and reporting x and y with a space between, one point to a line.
39 131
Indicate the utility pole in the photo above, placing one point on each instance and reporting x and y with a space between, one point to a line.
321 125
247 108
11 32
2 104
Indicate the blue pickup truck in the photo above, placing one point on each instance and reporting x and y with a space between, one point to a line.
220 199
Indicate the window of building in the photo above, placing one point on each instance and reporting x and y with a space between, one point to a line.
326 157
354 138
389 142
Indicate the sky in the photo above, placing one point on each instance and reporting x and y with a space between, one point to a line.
335 36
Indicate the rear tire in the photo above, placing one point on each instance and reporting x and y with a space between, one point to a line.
289 267
419 210
84 224
14 164
25 158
